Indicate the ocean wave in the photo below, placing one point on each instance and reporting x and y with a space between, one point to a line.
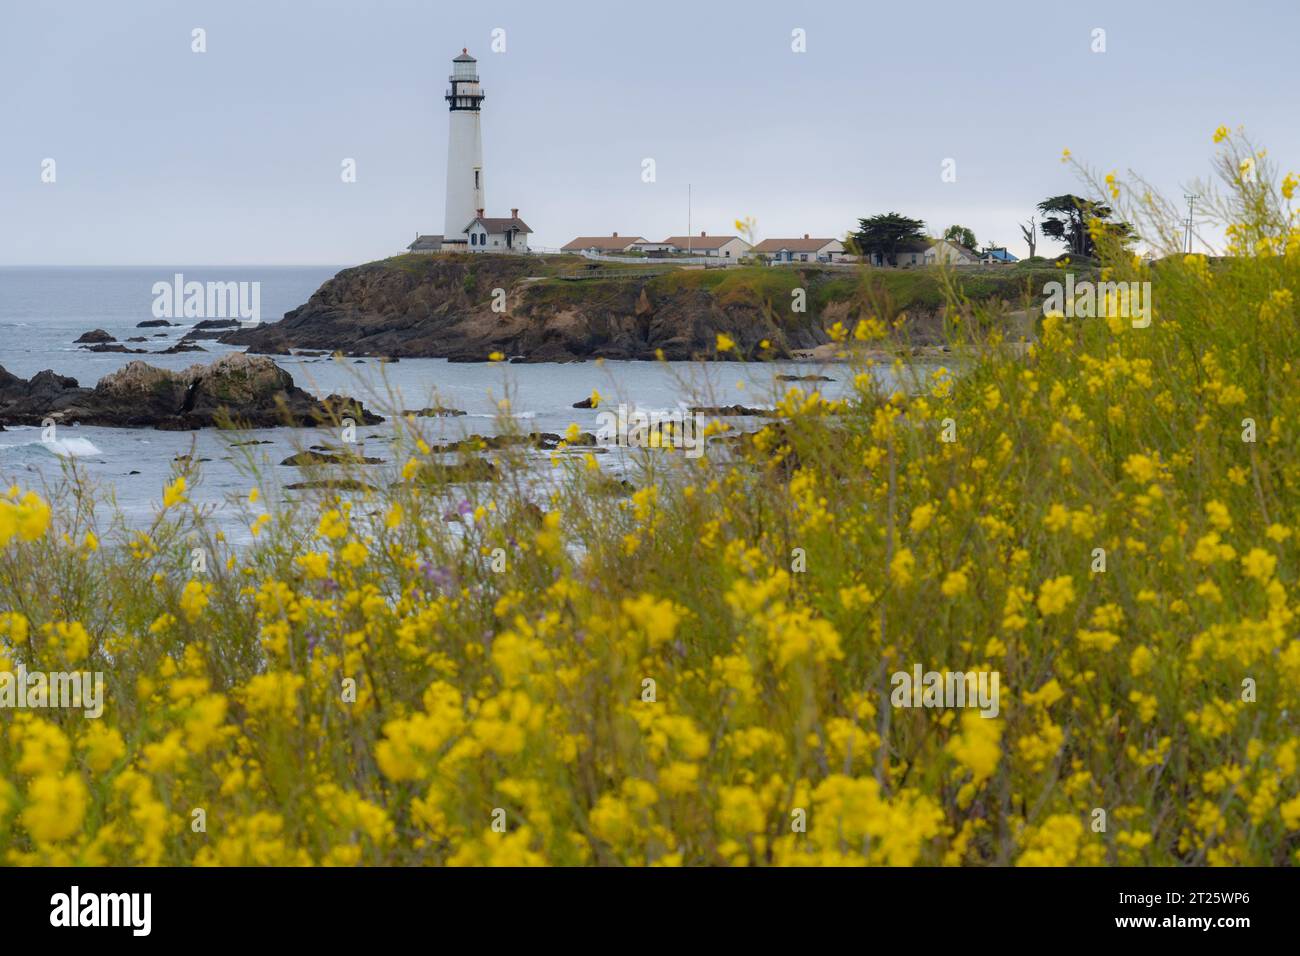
62 447
525 416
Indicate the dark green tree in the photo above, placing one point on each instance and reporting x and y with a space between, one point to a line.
1066 219
887 234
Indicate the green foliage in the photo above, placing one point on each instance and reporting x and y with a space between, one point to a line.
1067 219
961 235
888 234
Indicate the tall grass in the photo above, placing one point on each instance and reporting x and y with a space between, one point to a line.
698 672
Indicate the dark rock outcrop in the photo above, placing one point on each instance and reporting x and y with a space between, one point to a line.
248 390
304 458
435 411
330 484
543 441
732 411
94 335
457 472
210 329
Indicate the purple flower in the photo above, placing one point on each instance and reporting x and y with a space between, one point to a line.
442 578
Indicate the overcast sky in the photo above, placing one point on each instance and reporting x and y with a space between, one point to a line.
233 156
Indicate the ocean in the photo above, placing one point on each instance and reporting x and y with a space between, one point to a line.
43 310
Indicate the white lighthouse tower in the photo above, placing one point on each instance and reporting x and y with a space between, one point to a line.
464 152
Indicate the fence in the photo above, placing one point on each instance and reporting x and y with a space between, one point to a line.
637 260
615 274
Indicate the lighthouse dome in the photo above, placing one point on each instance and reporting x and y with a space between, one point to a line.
464 68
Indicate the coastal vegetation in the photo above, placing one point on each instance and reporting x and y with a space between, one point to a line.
697 669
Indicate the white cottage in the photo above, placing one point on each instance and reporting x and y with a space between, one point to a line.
807 249
722 247
426 245
610 243
486 234
951 253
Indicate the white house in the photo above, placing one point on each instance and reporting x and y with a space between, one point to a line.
801 250
485 234
723 247
611 243
643 245
947 252
425 244
998 257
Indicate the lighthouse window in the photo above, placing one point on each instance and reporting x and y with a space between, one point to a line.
476 179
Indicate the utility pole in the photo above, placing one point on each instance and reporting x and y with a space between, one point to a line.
1191 206
688 219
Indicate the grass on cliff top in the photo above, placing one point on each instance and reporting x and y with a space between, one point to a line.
893 289
538 266
922 288
919 288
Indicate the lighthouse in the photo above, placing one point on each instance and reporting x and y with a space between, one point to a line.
464 152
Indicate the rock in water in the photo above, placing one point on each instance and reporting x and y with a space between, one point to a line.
307 458
94 335
435 411
732 411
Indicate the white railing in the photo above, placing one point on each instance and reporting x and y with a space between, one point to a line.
661 260
638 260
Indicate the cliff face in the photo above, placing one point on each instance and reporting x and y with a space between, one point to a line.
442 307
548 309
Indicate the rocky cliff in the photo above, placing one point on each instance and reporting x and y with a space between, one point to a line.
450 307
544 309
